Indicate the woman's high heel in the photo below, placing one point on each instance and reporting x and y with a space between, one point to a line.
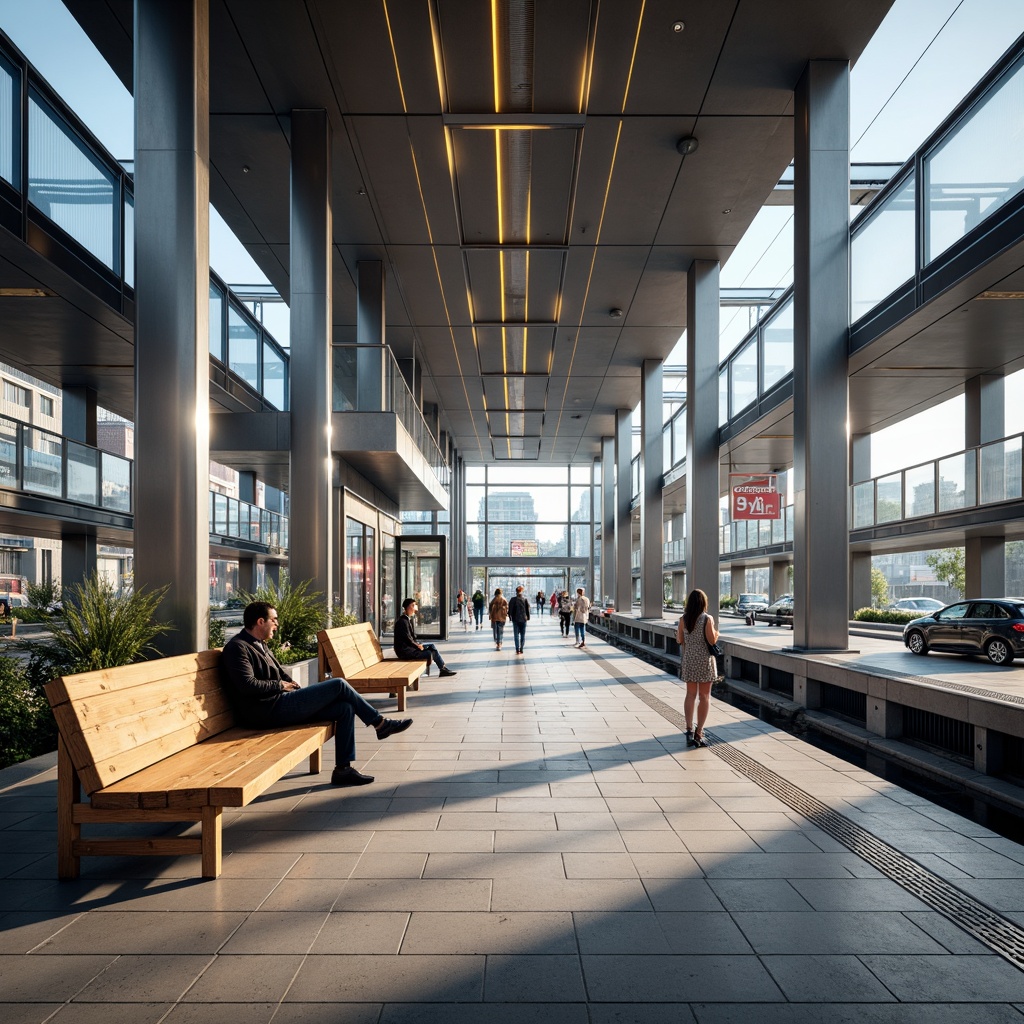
690 741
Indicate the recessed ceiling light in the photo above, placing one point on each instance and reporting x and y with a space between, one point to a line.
245 169
678 26
727 210
615 313
686 145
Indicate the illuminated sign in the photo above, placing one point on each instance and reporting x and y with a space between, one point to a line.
756 497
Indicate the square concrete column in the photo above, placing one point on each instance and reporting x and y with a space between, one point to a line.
608 590
821 304
311 534
985 421
703 485
652 421
737 580
78 422
623 593
779 572
172 303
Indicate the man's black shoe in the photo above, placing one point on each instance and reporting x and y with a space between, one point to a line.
389 726
446 672
349 777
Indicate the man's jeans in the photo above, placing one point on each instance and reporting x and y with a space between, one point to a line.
581 632
519 634
334 700
498 629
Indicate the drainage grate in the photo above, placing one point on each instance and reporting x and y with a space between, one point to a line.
998 933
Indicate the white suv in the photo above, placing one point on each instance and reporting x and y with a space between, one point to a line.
747 603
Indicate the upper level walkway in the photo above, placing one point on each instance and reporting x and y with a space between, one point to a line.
543 842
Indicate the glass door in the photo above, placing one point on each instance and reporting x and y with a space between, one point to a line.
423 574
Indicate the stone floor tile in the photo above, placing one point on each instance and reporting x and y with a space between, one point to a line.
494 865
325 1013
451 841
641 1013
702 933
493 1013
21 931
570 894
272 932
693 895
410 894
658 979
857 1013
112 1013
324 865
362 932
527 822
542 842
762 894
915 978
585 821
376 864
866 894
653 842
685 822
619 932
948 934
34 979
484 933
144 932
309 894
666 865
817 979
598 865
146 978
552 978
413 979
245 978
838 933
772 865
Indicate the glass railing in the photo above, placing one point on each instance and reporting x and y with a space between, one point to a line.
245 347
750 534
233 519
355 366
37 461
985 475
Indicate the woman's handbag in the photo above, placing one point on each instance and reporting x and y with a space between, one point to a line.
716 650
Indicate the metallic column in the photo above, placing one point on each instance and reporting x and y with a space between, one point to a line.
312 528
985 421
652 422
820 373
623 594
172 303
608 586
703 486
594 583
78 421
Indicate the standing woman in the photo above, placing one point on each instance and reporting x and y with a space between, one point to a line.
498 613
580 617
696 633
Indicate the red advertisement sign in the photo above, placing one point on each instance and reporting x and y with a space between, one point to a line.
755 497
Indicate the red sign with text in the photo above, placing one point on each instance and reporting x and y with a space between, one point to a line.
755 497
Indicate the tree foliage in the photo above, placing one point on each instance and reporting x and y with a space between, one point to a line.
879 588
949 566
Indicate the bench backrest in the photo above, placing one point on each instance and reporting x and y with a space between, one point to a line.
347 649
117 721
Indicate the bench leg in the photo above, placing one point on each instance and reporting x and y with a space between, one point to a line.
401 698
68 831
316 761
211 841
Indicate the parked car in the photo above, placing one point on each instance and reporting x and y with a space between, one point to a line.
921 605
990 626
780 613
751 603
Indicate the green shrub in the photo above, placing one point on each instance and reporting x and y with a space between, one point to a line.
728 602
340 617
41 596
894 618
217 638
300 616
101 629
27 728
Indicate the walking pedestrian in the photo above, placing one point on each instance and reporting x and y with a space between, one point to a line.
564 612
478 607
540 602
580 617
696 633
460 602
554 603
519 613
498 613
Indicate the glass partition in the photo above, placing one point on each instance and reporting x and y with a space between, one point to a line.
10 122
83 473
43 457
116 483
723 396
978 167
217 322
956 481
883 249
68 183
243 348
275 377
778 346
1000 471
129 240
743 377
920 490
889 498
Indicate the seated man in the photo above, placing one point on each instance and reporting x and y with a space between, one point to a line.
263 694
406 645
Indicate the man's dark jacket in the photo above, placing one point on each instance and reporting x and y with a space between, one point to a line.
405 640
254 678
519 609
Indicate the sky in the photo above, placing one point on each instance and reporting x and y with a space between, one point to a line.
925 57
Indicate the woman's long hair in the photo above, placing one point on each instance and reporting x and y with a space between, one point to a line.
696 603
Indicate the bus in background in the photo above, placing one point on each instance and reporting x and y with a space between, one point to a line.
13 593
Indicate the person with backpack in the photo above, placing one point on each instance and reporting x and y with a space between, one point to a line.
564 612
478 607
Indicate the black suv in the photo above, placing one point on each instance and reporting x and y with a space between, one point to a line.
990 626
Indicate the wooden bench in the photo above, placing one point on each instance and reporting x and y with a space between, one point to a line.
157 742
354 654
